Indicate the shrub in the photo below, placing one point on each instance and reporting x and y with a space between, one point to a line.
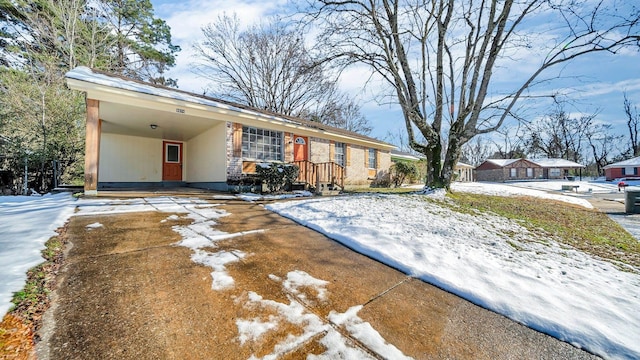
402 170
277 175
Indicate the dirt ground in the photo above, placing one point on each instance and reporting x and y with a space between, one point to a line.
127 292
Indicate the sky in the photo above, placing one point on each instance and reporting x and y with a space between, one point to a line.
489 260
594 84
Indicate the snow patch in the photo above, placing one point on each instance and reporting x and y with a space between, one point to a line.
365 333
298 279
217 261
312 326
93 226
171 218
518 189
252 330
250 197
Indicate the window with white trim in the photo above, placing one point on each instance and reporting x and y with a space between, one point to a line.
339 153
372 158
530 172
513 172
555 172
261 144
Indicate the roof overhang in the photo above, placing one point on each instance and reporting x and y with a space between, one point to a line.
132 112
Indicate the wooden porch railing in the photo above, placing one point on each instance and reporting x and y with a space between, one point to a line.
315 174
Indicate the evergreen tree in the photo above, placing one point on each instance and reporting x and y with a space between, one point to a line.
43 39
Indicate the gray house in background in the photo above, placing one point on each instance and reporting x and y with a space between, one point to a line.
508 169
558 168
526 169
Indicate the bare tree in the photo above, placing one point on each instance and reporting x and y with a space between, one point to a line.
633 124
340 112
508 143
268 66
440 56
558 135
476 151
603 143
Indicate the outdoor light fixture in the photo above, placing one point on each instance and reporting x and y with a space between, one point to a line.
153 126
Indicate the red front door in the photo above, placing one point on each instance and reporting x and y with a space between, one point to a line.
172 161
300 148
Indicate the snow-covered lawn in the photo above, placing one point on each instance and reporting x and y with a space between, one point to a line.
26 223
489 260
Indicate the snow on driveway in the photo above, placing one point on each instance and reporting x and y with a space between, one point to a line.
491 261
26 223
201 237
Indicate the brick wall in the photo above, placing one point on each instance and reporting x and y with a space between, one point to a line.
234 163
319 149
491 175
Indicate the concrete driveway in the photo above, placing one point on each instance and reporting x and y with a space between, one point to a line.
128 292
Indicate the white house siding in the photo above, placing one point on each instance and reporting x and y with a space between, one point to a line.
130 159
204 163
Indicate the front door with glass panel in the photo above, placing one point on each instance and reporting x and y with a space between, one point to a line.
172 161
300 148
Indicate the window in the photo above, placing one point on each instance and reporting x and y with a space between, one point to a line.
529 172
173 153
554 172
630 171
261 144
372 159
339 154
513 172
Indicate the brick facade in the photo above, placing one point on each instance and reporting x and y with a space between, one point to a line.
357 172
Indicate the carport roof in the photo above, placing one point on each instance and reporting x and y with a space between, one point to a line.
81 78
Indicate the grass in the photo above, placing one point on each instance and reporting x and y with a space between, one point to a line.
19 325
380 190
587 230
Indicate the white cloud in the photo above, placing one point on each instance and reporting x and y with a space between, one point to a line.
186 20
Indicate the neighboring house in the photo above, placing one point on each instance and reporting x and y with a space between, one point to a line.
144 135
464 172
507 170
558 168
626 168
526 169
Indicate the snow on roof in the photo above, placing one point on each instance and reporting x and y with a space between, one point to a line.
463 165
558 163
86 74
405 155
629 162
502 162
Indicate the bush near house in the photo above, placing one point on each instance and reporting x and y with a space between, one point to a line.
277 176
403 170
